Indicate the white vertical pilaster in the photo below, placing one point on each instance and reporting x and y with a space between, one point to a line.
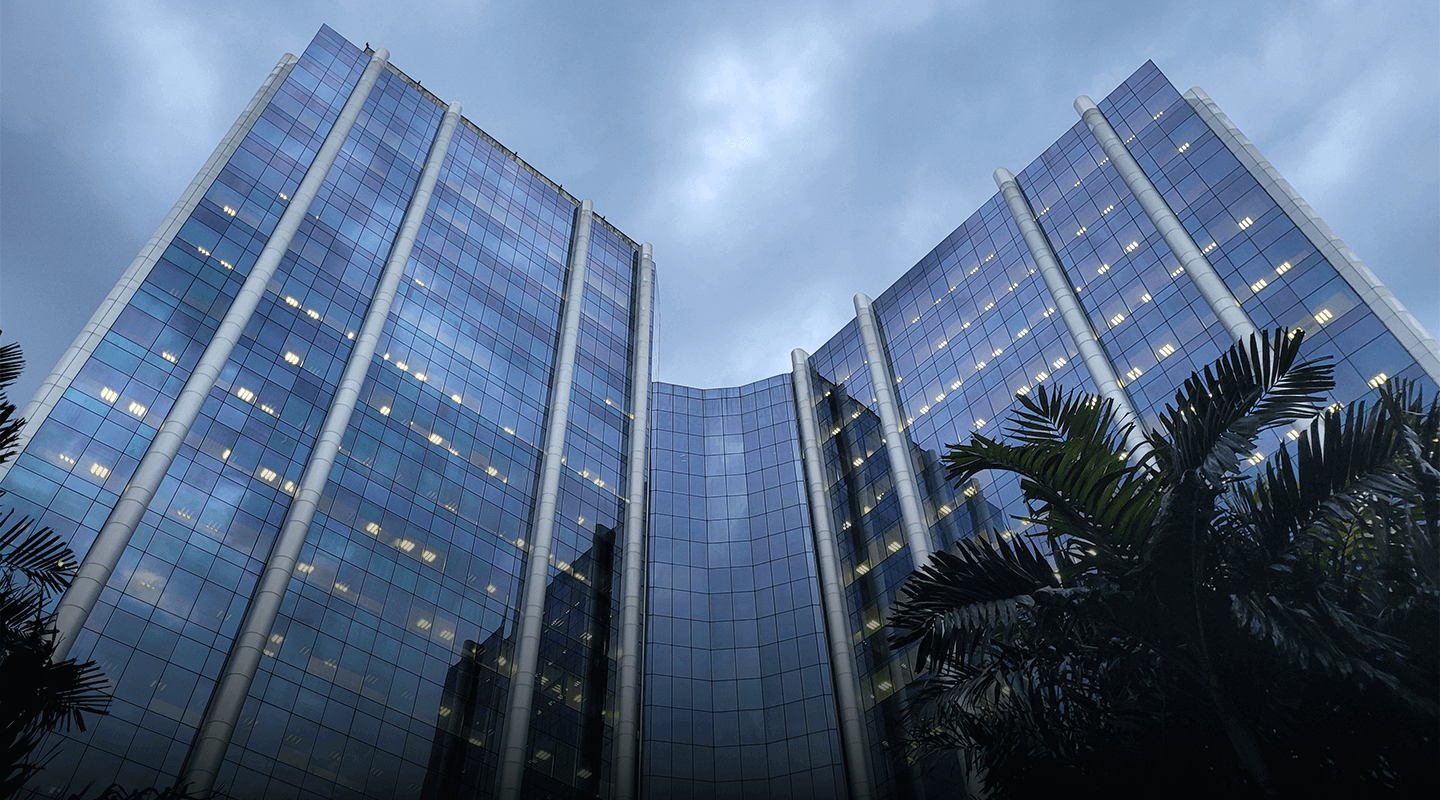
832 591
114 536
212 738
1077 322
516 733
1202 273
902 470
79 351
1382 302
627 725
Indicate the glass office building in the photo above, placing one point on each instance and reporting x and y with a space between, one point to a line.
377 498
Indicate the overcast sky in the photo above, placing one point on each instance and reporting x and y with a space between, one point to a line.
780 156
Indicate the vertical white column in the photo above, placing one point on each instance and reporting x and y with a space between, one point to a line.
627 725
1382 302
212 738
114 536
1212 287
832 591
912 514
516 732
79 351
1102 372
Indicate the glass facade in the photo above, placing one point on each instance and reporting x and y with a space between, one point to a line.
389 670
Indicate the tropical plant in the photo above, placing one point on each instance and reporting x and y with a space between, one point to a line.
1175 621
36 694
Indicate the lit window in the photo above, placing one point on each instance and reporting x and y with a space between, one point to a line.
229 210
1379 380
1177 272
384 411
1082 230
1256 458
292 358
979 365
372 528
290 301
402 366
245 394
1145 298
406 545
1104 268
435 438
1117 319
202 250
1258 285
1166 350
312 313
1324 316
1132 247
109 395
1245 223
1041 376
1108 209
1184 147
99 470
268 475
1283 268
420 376
997 352
455 397
137 409
428 555
1292 434
979 423
491 471
1134 373
423 624
1058 363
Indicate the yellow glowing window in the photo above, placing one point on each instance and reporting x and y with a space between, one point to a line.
1132 247
137 409
229 210
99 470
1082 230
1058 363
245 394
423 624
435 438
384 411
109 395
373 528
168 356
1117 319
1104 268
1108 209
1379 380
202 250
1245 223
1184 147
428 555
290 301
292 358
1258 285
268 475
1134 373
1283 268
420 376
1324 316
406 545
402 366
312 313
1166 350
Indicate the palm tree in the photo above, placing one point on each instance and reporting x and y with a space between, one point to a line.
1175 620
36 694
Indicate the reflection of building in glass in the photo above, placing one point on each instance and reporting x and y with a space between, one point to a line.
361 457
573 685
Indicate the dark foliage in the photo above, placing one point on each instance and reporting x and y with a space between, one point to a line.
1177 623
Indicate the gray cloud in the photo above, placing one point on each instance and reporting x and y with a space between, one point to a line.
781 157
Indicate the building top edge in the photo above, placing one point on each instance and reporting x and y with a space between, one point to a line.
510 154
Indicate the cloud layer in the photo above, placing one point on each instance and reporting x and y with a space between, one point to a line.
781 157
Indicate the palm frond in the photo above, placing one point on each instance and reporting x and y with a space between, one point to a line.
37 553
953 603
1217 414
